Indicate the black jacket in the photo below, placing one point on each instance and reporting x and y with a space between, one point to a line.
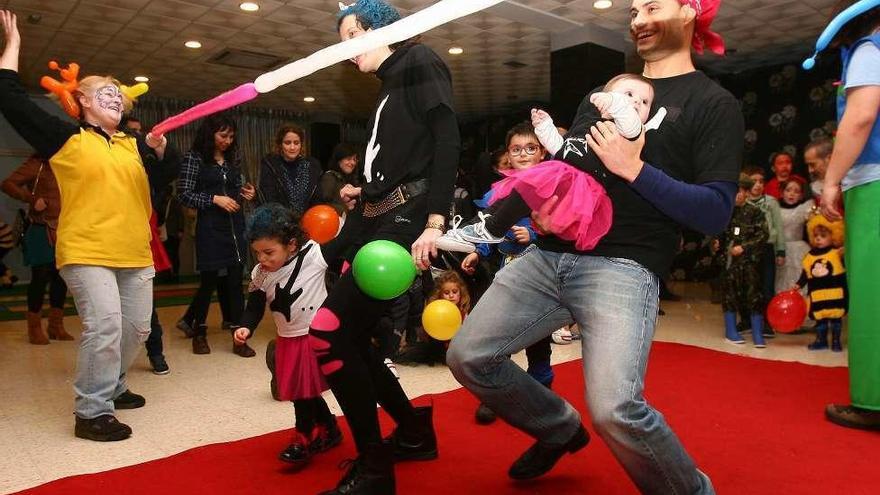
271 189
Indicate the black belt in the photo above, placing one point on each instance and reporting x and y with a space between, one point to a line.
398 196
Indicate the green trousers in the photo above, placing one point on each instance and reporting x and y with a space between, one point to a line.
863 279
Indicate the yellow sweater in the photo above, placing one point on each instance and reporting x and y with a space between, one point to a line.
105 202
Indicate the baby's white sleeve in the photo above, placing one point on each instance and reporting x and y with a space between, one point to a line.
625 116
549 136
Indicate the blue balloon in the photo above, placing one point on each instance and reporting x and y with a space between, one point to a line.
834 26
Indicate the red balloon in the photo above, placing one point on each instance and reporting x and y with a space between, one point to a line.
787 311
321 223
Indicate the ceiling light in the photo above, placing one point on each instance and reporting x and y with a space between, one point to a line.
249 6
456 50
309 99
141 78
192 44
602 4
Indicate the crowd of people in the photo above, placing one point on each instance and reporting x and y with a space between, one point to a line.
581 228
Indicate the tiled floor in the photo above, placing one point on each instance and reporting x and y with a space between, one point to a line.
222 397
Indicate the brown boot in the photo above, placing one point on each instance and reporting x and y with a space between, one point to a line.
200 340
36 334
56 325
243 350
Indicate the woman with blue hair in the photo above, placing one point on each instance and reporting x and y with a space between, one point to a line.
408 178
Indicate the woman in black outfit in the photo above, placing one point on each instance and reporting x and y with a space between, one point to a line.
342 170
287 177
408 172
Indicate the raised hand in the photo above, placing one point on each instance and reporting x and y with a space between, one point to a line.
12 39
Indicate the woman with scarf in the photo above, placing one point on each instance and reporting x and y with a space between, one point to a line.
288 177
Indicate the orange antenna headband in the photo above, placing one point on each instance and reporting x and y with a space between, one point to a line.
65 88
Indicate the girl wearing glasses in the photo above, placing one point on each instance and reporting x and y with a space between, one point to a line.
524 151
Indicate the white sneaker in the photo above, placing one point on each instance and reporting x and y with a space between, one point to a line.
452 240
562 336
477 232
392 368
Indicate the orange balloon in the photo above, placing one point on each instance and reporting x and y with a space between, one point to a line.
321 223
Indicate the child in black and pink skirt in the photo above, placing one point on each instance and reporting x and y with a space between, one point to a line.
289 277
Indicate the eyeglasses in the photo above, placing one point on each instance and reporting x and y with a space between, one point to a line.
518 150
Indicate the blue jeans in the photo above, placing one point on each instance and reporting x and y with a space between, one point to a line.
614 302
114 305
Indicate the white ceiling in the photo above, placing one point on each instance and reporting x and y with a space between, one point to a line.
132 37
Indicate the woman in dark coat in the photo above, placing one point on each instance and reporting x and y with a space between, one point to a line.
211 182
287 176
342 170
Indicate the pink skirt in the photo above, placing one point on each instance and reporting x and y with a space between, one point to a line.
583 212
296 369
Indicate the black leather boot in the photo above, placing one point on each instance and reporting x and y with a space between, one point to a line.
372 473
417 442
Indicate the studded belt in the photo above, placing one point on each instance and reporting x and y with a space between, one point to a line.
398 196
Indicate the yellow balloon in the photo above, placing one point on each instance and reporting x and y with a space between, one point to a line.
441 319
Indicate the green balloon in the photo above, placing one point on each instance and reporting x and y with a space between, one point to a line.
383 269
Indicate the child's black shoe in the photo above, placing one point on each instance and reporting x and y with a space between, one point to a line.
325 437
298 453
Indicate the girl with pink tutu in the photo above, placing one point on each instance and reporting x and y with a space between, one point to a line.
575 175
290 279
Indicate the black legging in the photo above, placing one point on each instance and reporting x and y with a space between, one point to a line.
231 292
342 330
41 276
310 413
222 298
340 335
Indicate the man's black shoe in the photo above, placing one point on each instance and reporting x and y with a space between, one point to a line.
129 400
104 428
484 415
541 457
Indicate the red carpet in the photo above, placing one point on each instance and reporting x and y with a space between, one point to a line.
754 426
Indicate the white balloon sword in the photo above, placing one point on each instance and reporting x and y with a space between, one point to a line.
424 20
